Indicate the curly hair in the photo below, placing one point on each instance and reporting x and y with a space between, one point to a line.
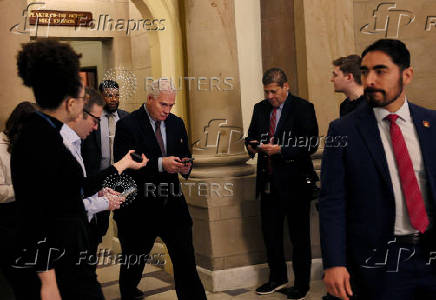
15 122
51 69
108 84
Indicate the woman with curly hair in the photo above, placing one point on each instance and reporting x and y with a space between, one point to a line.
7 197
48 181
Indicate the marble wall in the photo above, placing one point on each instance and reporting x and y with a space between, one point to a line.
12 90
414 23
323 32
278 39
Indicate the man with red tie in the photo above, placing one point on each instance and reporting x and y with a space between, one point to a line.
283 131
378 192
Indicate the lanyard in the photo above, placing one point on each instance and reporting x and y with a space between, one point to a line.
46 118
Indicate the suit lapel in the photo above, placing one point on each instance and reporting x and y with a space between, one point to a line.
368 128
169 130
287 111
147 130
426 135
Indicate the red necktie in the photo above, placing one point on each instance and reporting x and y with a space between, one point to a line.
272 128
272 123
409 184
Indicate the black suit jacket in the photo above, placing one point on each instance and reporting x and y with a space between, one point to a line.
136 132
91 149
47 183
356 204
296 132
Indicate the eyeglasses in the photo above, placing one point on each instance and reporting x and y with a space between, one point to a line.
96 119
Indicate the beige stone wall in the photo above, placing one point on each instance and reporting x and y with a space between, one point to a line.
324 32
92 55
278 39
248 37
415 27
12 90
143 52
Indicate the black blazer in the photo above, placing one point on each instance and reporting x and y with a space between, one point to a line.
91 148
48 185
296 132
135 132
356 204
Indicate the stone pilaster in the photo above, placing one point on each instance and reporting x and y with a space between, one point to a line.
220 191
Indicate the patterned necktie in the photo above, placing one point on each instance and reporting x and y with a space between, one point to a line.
272 123
272 128
409 184
159 138
111 126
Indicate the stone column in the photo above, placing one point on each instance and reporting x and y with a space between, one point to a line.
220 191
13 32
323 32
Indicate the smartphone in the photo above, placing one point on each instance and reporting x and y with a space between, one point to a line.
136 157
127 192
190 160
254 144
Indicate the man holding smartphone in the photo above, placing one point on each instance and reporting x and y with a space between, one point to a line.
282 169
160 208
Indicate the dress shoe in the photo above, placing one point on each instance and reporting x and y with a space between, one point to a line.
296 294
270 287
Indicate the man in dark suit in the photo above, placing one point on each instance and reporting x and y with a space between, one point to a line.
287 130
379 188
346 79
160 208
97 149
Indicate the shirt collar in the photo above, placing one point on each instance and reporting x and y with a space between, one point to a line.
148 114
403 113
106 113
69 135
281 105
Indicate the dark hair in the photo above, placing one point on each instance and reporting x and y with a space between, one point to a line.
395 49
51 69
92 97
16 119
274 75
350 65
108 84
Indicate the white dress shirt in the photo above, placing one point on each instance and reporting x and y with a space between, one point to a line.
104 136
405 122
72 141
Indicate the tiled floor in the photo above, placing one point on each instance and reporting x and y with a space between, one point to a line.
159 285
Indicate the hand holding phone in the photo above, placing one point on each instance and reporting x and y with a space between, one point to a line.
136 157
254 144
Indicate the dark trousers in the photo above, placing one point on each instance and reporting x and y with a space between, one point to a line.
401 272
74 282
136 244
94 239
274 210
